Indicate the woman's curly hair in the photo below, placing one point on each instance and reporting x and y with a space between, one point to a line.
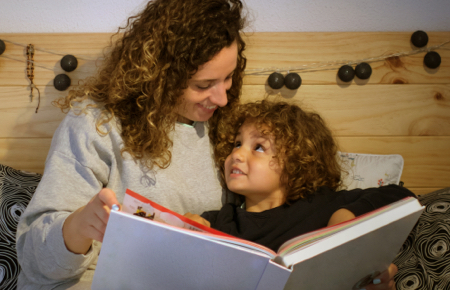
144 74
306 150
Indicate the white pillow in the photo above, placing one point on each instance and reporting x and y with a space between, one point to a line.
370 170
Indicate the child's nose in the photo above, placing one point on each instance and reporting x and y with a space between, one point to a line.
238 155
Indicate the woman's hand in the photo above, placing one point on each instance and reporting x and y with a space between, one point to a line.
88 223
385 281
197 218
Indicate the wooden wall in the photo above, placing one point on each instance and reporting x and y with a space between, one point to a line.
404 108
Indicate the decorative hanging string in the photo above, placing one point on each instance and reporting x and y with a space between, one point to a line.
36 64
85 57
333 64
263 71
28 61
30 73
47 51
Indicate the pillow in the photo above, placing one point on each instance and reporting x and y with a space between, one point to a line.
424 259
16 190
370 170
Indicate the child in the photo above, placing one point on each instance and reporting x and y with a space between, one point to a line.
282 163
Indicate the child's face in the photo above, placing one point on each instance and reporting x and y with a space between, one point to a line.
250 169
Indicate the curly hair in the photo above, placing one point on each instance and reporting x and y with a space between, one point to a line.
306 149
142 78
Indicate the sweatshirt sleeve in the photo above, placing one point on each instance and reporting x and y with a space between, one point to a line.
69 182
372 198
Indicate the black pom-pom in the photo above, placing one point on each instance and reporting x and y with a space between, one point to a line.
69 63
346 73
432 59
419 38
61 82
2 47
276 80
292 81
363 71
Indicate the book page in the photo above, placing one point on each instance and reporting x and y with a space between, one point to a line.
306 246
308 239
138 205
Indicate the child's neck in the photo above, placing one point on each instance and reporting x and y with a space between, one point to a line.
252 205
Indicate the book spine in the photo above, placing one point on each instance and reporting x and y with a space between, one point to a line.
274 277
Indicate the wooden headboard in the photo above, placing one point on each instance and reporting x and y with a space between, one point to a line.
404 108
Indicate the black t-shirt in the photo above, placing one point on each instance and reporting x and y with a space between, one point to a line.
273 227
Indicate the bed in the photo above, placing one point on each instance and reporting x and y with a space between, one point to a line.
403 109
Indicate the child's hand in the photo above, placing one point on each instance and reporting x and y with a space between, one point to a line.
385 280
197 218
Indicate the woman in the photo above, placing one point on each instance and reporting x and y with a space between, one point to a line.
144 122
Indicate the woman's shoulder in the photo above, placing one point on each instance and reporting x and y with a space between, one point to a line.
88 117
83 127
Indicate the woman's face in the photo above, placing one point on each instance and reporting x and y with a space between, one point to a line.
207 89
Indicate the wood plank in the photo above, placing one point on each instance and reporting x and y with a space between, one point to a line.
301 49
382 110
265 50
423 191
427 159
18 114
27 154
49 49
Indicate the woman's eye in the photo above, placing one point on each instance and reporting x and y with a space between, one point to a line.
259 148
203 87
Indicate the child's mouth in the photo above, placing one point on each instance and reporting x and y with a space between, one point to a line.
236 171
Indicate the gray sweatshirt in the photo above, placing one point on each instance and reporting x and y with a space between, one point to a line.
79 164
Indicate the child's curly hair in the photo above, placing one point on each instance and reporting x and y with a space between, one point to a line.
142 78
306 150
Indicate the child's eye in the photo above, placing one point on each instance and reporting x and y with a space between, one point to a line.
237 144
259 148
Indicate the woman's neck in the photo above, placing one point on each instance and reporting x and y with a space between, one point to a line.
184 120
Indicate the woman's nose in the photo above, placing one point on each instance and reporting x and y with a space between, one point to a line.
219 96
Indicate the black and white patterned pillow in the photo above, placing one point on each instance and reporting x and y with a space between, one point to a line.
424 260
16 189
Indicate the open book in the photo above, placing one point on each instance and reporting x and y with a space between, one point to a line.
148 246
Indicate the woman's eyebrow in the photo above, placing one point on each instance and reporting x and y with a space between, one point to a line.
211 80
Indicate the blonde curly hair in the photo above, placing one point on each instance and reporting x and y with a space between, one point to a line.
306 149
144 74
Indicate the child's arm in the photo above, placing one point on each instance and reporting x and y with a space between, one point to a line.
197 218
339 216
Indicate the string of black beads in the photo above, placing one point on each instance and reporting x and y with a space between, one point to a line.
61 82
2 47
292 81
69 63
